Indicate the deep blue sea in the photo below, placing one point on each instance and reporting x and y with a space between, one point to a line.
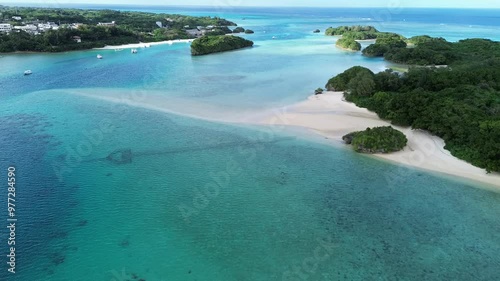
211 201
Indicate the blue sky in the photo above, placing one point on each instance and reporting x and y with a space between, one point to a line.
310 3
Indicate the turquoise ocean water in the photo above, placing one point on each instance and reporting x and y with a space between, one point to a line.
211 201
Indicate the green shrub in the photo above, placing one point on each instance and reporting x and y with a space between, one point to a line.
377 140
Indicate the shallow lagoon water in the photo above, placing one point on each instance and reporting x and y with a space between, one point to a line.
282 198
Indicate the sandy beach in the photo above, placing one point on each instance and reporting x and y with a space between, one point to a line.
332 117
144 45
327 115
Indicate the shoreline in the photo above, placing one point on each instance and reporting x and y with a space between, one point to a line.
107 47
346 49
329 116
143 44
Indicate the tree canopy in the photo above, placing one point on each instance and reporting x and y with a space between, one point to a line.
341 30
341 81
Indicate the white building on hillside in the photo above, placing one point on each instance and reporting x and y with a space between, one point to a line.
194 32
42 27
75 25
30 28
5 27
109 24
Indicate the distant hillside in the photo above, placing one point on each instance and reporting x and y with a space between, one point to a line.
56 30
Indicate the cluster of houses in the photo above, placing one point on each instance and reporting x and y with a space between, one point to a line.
199 30
38 27
34 27
192 31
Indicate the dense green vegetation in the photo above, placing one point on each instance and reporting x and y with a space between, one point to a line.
215 44
360 35
60 40
353 32
358 32
131 27
440 52
423 39
377 140
341 30
384 44
460 104
349 44
136 21
340 82
376 50
427 53
388 37
425 50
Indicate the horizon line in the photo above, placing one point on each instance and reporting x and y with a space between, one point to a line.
10 4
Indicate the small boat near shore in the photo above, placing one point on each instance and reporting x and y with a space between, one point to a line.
28 72
99 57
133 51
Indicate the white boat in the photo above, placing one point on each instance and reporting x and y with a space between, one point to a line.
99 56
133 51
28 72
274 37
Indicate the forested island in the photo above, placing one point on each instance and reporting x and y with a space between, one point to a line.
350 34
459 103
376 140
56 30
215 44
359 32
356 32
